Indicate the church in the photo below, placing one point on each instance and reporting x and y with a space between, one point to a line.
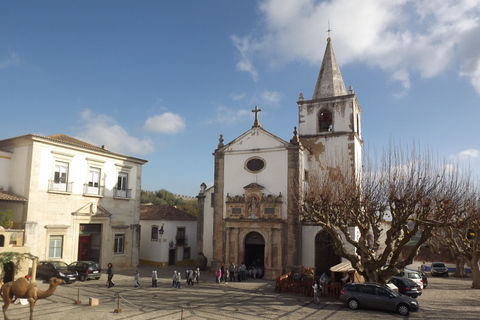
252 213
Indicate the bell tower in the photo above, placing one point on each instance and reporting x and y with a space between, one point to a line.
330 123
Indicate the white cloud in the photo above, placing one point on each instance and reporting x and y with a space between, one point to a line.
226 115
245 48
166 122
270 97
13 59
237 96
100 129
424 37
469 154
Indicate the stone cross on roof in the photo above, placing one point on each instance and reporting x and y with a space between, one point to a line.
256 123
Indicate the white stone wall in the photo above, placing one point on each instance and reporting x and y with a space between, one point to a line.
50 213
158 250
273 177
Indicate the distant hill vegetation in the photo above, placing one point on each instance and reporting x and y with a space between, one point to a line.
161 197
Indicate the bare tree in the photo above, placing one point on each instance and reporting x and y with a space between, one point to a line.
373 215
461 233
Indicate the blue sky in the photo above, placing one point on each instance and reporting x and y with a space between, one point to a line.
161 80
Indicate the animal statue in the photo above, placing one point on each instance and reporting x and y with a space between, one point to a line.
21 288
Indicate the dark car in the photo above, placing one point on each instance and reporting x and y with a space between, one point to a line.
406 286
57 269
86 269
375 296
439 269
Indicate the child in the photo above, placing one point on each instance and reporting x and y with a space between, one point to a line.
154 278
137 279
316 293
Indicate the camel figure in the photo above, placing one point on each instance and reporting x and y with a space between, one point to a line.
21 288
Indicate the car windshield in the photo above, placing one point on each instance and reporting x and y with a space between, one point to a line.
393 293
59 265
438 265
409 282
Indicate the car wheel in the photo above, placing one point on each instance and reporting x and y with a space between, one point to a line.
403 309
82 277
353 304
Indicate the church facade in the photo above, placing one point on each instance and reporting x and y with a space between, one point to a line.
252 212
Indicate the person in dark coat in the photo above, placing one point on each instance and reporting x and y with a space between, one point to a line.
110 275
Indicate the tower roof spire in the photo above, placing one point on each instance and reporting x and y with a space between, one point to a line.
330 81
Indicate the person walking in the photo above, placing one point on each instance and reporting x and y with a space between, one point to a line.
154 278
231 270
218 275
110 275
316 293
174 279
179 279
198 275
137 279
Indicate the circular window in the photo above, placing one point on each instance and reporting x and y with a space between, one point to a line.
255 165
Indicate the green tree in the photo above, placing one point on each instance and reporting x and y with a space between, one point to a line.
6 218
164 197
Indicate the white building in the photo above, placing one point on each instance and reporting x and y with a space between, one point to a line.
168 236
83 201
252 211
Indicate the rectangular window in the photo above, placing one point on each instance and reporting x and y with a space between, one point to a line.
93 184
94 177
186 253
154 233
122 181
180 237
119 242
122 185
55 247
60 178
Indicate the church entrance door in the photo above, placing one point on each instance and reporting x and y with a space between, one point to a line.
325 256
254 250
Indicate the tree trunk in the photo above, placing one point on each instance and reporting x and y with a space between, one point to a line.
460 271
475 275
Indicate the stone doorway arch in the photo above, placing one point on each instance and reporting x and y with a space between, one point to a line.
325 256
254 250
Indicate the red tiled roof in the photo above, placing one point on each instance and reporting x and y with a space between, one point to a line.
164 212
8 196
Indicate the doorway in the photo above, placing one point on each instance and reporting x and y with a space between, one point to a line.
89 241
171 257
254 250
325 256
84 248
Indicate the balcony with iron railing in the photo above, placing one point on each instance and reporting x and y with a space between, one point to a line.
60 185
122 193
92 189
182 240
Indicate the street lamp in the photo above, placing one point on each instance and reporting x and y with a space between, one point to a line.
160 232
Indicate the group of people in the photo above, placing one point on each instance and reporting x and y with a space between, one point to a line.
192 276
237 273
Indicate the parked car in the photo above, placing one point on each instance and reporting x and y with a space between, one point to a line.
413 275
86 269
422 275
438 269
373 295
406 286
57 269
